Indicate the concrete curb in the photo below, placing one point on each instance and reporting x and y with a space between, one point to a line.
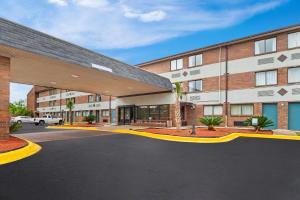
226 138
12 156
74 128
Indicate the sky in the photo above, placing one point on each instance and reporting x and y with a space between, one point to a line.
138 31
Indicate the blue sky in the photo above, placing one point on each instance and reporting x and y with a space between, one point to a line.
137 31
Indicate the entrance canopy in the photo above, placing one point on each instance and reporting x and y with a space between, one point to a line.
39 59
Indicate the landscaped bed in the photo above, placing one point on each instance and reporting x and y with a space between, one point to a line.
202 132
12 143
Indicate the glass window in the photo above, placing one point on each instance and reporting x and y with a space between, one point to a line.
105 113
154 112
85 113
195 60
164 112
266 78
265 46
142 112
294 40
213 110
195 86
294 75
176 64
77 113
242 110
98 98
90 98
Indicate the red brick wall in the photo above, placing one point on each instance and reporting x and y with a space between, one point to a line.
4 96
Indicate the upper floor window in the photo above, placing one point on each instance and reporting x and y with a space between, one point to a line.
195 60
176 64
265 46
90 98
52 92
294 75
195 86
98 98
213 110
266 78
71 99
242 110
52 103
294 40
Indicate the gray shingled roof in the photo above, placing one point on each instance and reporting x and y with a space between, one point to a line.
27 39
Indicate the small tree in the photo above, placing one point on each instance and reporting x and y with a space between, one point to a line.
19 109
262 122
211 122
89 119
178 91
70 106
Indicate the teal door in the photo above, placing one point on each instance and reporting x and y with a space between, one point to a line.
270 110
113 116
294 116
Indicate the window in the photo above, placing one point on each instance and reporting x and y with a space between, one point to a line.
195 86
195 60
98 98
294 40
155 112
52 92
71 99
213 110
105 113
176 64
266 78
265 46
90 98
242 110
294 75
52 103
77 113
85 113
143 112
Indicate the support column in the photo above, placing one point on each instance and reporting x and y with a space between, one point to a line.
4 97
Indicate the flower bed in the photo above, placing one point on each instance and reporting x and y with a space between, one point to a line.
201 132
12 143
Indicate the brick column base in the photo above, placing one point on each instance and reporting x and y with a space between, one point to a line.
4 97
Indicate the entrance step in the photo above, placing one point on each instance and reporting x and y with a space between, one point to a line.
284 132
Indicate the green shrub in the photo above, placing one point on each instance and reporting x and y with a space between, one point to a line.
15 127
263 122
90 119
211 122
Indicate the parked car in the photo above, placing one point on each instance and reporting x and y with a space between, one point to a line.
47 119
22 119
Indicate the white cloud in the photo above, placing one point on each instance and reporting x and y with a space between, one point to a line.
115 24
92 3
153 16
59 2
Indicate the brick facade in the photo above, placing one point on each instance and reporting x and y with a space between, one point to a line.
4 96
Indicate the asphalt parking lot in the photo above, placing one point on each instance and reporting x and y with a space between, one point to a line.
31 128
130 167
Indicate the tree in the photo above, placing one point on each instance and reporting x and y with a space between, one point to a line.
70 106
178 91
262 122
19 109
89 119
211 122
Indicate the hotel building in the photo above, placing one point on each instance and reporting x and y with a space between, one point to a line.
255 75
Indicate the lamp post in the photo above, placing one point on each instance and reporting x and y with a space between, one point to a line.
194 119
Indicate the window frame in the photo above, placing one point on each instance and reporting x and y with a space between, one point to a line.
105 113
265 46
288 74
176 61
241 114
265 72
213 109
195 60
201 89
298 46
92 99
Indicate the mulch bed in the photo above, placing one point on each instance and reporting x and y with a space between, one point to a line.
202 132
81 125
12 143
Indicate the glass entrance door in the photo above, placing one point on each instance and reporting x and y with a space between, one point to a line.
126 115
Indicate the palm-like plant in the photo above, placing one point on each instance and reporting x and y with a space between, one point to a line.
262 122
211 122
70 106
178 91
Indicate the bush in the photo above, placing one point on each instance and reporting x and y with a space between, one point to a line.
90 119
211 122
15 127
263 122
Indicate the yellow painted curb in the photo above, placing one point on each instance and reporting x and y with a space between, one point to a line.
19 154
226 138
74 128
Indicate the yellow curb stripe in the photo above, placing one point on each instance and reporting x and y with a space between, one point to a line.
73 128
19 154
226 138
